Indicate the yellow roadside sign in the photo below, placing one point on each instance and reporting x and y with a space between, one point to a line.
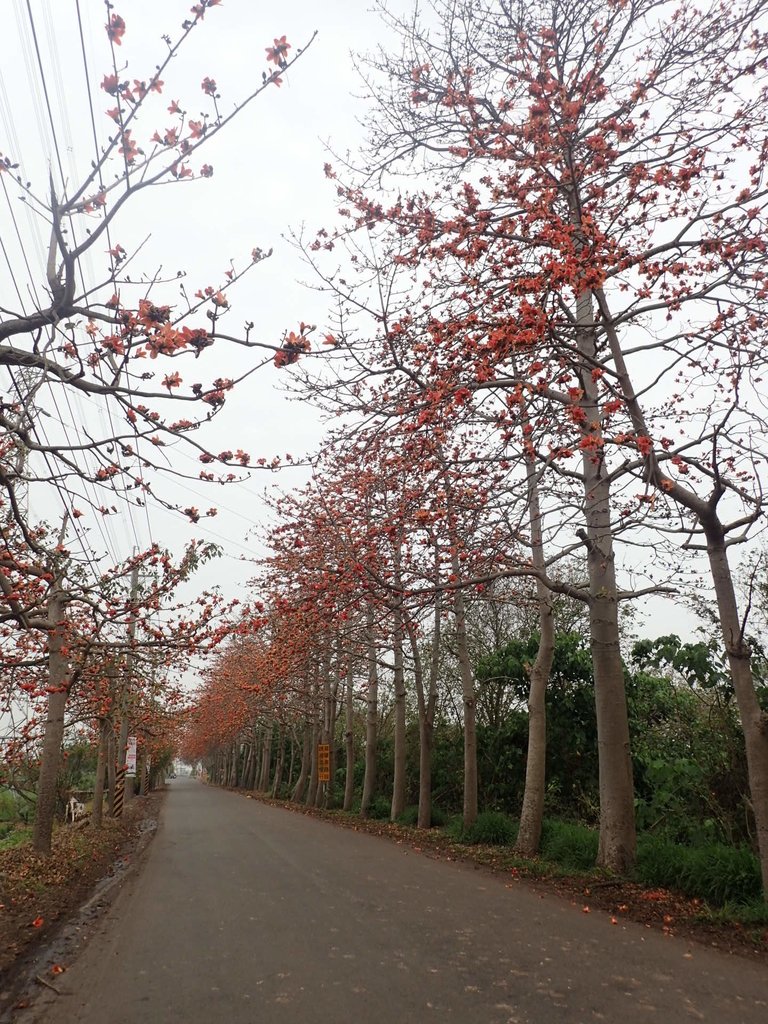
323 762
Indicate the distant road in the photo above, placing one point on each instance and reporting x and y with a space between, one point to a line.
248 914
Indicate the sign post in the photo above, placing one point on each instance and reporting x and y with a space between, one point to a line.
130 756
323 762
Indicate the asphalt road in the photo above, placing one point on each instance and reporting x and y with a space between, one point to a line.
247 914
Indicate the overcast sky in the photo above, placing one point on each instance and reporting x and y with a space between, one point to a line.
268 179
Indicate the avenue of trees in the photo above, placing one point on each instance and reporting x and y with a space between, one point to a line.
547 285
543 362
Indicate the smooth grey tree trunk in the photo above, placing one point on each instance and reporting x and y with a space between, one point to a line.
371 717
249 768
469 701
300 789
349 735
426 703
466 675
292 761
313 773
754 721
532 811
399 780
266 758
618 838
323 795
280 764
101 767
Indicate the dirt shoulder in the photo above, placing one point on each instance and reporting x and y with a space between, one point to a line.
39 895
658 909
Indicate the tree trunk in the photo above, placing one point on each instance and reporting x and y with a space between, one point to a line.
469 698
426 703
53 736
249 768
101 766
332 753
300 788
469 703
371 719
313 779
532 811
349 737
234 766
266 759
618 839
754 721
398 784
111 771
292 761
278 779
322 797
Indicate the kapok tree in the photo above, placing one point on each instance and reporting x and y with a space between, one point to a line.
409 378
78 624
609 224
114 338
398 379
410 530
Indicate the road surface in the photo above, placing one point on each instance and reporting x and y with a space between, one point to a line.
249 914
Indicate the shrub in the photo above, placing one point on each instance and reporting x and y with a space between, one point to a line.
410 816
380 808
454 828
568 844
439 817
492 828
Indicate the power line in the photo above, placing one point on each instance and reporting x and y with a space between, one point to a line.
47 98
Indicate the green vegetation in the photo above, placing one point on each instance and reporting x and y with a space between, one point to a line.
492 828
696 830
11 836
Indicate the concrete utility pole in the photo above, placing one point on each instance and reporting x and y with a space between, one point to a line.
105 729
53 736
121 791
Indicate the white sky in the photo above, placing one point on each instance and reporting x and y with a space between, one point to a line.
268 178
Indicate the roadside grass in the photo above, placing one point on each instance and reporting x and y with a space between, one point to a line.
492 828
410 817
720 876
569 845
725 880
752 916
37 891
15 836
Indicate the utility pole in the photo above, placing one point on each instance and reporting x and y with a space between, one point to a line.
105 729
125 701
53 736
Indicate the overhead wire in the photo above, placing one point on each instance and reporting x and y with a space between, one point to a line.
59 161
40 75
94 133
43 105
